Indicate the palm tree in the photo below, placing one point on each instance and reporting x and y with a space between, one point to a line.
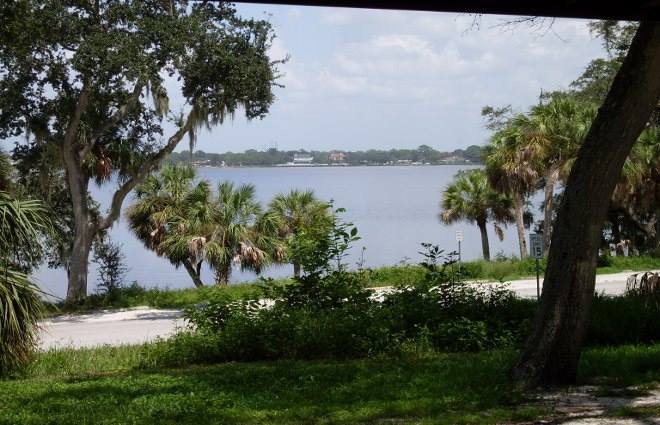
470 197
293 212
184 221
554 131
159 202
22 225
232 235
511 169
636 197
650 143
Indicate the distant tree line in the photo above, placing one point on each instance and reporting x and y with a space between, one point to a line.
424 154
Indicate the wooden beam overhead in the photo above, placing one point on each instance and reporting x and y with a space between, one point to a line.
628 10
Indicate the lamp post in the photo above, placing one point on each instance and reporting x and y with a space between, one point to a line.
459 238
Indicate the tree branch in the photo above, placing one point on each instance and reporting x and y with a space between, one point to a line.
74 123
114 119
147 167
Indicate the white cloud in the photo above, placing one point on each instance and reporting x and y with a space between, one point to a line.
294 13
402 77
337 17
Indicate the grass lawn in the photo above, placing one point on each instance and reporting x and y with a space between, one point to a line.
106 386
442 389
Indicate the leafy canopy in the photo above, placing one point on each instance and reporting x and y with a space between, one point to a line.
111 63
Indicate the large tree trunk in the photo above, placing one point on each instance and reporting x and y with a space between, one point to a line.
520 223
656 249
484 240
550 180
296 270
552 350
83 227
84 233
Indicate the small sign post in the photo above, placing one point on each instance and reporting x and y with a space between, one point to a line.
459 238
536 252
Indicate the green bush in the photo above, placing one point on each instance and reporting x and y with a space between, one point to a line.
329 314
604 260
472 270
527 266
623 320
394 276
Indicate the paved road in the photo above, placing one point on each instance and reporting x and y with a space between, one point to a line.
134 326
609 284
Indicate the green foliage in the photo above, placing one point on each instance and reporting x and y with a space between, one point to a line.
321 249
189 223
66 362
134 295
389 276
23 224
289 214
470 197
20 310
643 263
622 365
327 313
623 320
87 84
111 267
455 316
440 389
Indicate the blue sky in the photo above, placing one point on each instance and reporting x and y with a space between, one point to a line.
361 79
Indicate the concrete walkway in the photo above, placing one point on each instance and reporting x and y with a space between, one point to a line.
110 327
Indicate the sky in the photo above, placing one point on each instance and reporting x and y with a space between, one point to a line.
360 79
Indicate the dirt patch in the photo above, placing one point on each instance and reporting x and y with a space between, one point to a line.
591 405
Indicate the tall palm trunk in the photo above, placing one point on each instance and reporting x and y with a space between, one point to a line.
520 223
550 181
222 275
485 247
194 273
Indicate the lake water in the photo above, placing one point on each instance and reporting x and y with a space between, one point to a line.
394 208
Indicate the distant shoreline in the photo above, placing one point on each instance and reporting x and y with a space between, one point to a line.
332 165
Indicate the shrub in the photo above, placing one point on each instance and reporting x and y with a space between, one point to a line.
112 268
21 309
328 313
623 320
472 270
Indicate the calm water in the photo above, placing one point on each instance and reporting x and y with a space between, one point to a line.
394 209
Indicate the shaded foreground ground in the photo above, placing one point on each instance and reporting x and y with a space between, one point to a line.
587 405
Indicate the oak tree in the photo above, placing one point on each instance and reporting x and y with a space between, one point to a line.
92 82
553 347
